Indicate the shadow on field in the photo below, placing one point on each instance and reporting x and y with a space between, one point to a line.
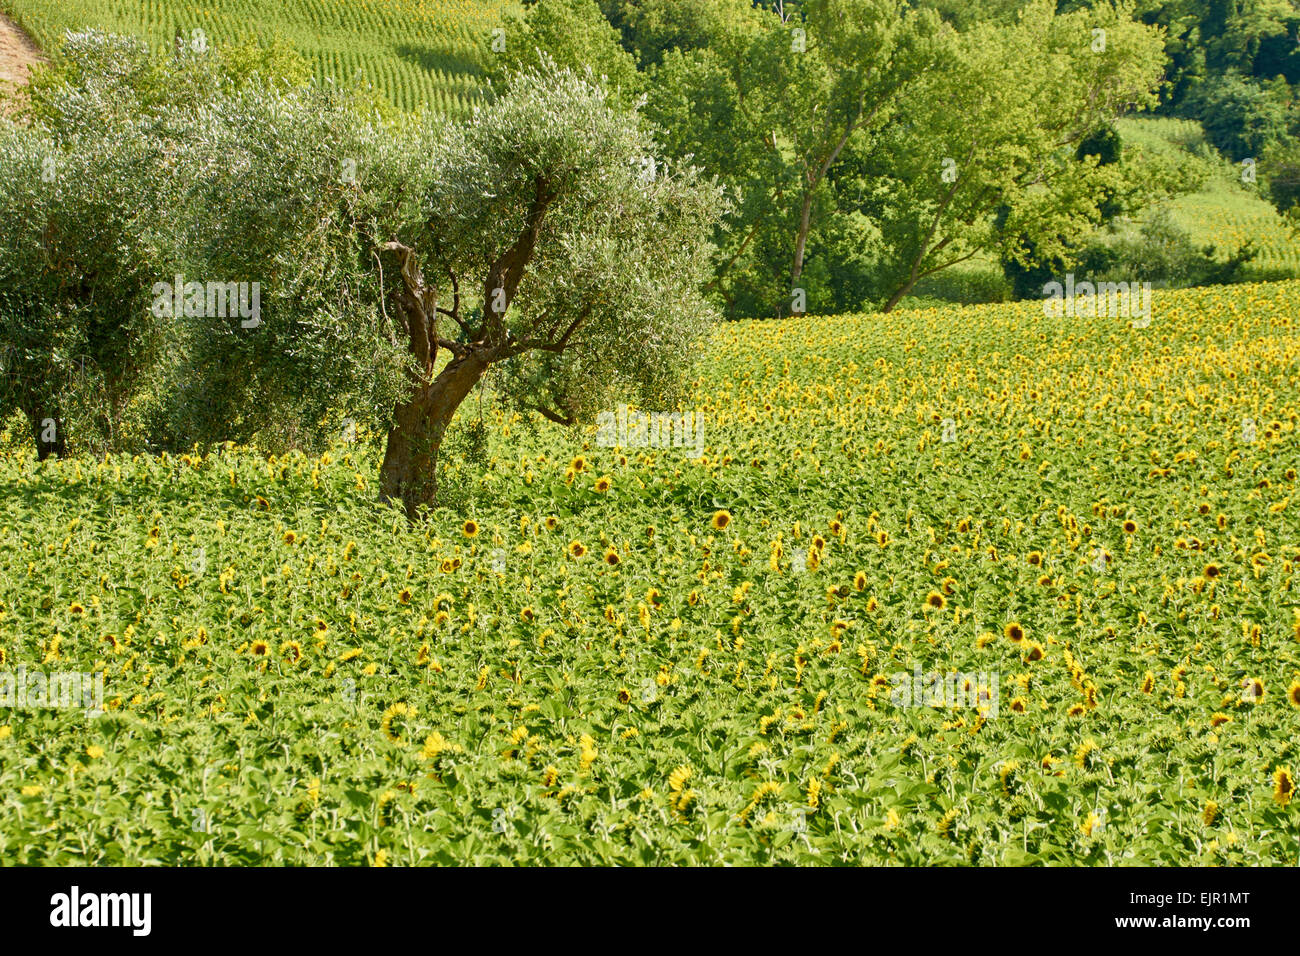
48 491
439 59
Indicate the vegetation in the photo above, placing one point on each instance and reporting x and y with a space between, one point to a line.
699 663
542 239
850 187
418 53
381 481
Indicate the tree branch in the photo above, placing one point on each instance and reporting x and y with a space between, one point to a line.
505 273
552 415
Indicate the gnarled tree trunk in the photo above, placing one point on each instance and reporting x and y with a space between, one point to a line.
410 470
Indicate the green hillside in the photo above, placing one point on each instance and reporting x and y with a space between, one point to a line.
419 52
426 52
1224 212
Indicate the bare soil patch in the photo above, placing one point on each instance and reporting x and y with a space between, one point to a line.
17 55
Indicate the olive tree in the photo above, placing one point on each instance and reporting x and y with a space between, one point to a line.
89 193
78 240
541 237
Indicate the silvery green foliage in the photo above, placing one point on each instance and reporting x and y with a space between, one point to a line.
97 83
306 194
80 211
292 190
91 200
299 192
102 78
621 250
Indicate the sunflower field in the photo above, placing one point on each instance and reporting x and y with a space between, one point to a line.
653 655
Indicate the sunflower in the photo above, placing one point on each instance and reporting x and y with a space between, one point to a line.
1035 558
1130 527
1014 632
404 596
400 709
1252 689
1033 652
290 537
1210 813
259 648
1006 776
1283 786
623 696
859 581
603 484
1293 693
1212 572
77 609
551 522
720 520
578 464
470 528
935 600
577 549
612 558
